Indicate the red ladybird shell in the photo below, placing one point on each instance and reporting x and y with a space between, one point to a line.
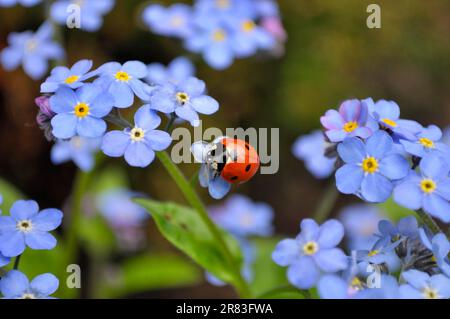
243 162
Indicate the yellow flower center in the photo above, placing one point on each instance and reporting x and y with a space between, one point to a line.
426 142
31 45
24 226
310 248
389 122
222 4
182 97
28 296
428 186
247 219
177 21
122 76
248 26
430 293
433 259
356 283
370 165
76 142
373 253
350 126
219 35
137 134
81 110
71 79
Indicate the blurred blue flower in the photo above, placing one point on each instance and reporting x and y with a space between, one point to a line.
3 260
217 186
78 149
430 190
15 285
174 21
118 208
370 167
25 3
243 218
351 120
312 253
63 76
420 285
387 288
80 112
123 81
28 227
186 99
361 223
138 144
440 246
91 12
446 136
311 149
178 71
387 114
426 141
32 50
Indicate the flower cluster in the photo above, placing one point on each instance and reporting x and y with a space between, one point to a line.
244 219
220 30
26 226
25 3
378 154
314 260
78 102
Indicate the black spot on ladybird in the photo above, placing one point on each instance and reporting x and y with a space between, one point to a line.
247 147
234 178
247 168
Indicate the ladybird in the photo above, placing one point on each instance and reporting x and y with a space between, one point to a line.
235 160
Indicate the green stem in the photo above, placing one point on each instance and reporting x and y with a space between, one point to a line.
326 204
284 289
17 262
427 220
194 200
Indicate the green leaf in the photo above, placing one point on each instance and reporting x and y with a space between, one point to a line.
10 194
97 235
151 272
267 274
184 228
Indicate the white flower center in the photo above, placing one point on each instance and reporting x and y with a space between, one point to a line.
137 134
25 226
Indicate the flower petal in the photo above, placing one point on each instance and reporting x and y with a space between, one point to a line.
158 140
330 234
115 143
14 284
349 178
40 240
91 127
138 154
47 220
44 285
218 187
331 260
376 188
286 252
352 150
304 273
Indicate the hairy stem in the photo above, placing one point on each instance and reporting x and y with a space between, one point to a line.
194 200
429 222
326 205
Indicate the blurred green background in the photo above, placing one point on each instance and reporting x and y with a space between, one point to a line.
330 56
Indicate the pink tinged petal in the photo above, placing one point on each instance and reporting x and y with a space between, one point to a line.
331 260
40 240
205 105
352 150
350 110
409 195
135 68
286 252
44 285
138 154
47 220
14 284
115 143
304 273
437 206
158 140
12 244
63 101
332 120
336 136
376 188
349 178
91 127
331 234
394 167
24 209
146 118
